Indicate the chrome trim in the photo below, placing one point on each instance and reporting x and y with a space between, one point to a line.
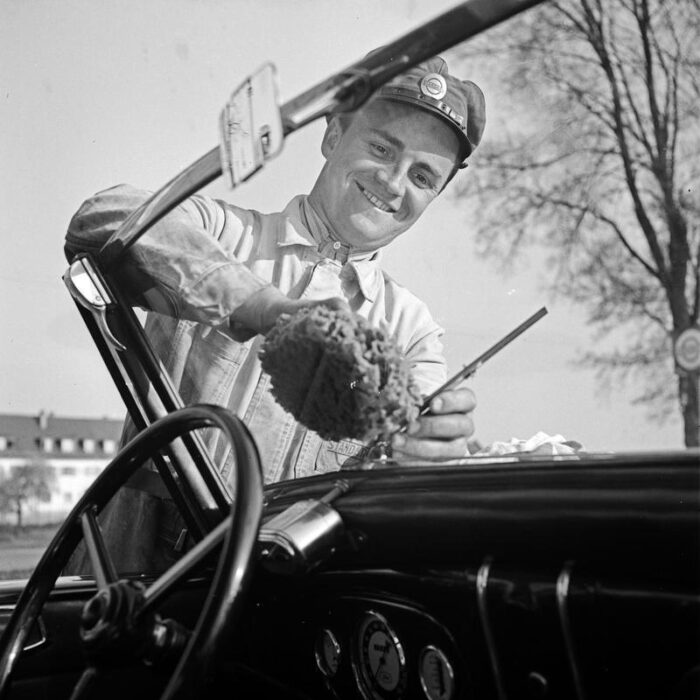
449 694
39 624
42 633
85 286
562 592
63 583
321 662
537 684
301 536
482 580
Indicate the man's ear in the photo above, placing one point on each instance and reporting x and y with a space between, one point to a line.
331 137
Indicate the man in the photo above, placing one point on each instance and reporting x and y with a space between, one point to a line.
219 276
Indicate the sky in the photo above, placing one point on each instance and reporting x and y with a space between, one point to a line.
97 93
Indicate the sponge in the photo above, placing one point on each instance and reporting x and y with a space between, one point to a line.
338 375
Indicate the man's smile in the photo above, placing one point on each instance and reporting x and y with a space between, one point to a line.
373 199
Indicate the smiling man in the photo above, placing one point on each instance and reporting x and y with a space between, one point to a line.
215 277
383 168
218 275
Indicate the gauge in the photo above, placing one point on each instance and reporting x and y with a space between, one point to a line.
327 653
436 675
381 664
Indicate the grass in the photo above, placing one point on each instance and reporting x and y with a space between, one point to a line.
28 536
16 574
21 548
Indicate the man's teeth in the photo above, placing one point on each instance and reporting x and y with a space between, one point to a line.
376 201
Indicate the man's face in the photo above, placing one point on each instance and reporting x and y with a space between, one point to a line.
382 171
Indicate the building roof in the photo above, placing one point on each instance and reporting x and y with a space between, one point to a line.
32 433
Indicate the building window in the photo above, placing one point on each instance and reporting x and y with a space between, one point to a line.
45 444
3 443
92 471
68 471
108 445
88 445
67 445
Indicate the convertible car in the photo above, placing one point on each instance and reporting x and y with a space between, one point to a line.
519 576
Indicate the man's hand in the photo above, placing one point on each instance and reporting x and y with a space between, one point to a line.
292 305
442 433
260 311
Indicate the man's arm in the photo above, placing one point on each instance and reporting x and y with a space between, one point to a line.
180 267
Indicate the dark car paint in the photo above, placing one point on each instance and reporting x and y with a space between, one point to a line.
625 529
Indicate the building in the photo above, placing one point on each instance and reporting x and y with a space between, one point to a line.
75 449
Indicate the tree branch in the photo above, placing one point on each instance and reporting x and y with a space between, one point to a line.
596 37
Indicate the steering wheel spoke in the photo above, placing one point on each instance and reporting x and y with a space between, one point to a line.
162 586
102 565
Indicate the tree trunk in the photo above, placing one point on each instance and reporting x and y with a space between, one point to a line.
18 512
688 392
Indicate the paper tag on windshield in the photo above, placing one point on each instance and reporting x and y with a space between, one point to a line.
251 126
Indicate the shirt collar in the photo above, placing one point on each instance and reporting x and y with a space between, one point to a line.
295 232
369 275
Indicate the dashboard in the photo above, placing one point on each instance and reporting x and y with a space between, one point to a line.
386 649
472 633
505 582
452 584
350 635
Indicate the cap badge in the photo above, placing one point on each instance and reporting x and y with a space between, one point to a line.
433 85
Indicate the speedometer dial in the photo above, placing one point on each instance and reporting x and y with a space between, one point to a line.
381 663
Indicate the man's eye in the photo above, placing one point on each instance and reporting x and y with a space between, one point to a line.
421 180
379 149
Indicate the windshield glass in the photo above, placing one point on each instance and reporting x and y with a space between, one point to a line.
579 197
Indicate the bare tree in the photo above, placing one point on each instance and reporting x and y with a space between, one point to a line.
596 162
30 482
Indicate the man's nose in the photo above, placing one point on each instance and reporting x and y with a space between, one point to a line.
392 179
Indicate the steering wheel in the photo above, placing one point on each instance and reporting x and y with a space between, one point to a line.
136 603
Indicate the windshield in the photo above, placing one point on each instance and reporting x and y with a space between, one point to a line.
580 197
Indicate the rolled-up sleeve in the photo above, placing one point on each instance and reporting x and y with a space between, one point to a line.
425 356
178 267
